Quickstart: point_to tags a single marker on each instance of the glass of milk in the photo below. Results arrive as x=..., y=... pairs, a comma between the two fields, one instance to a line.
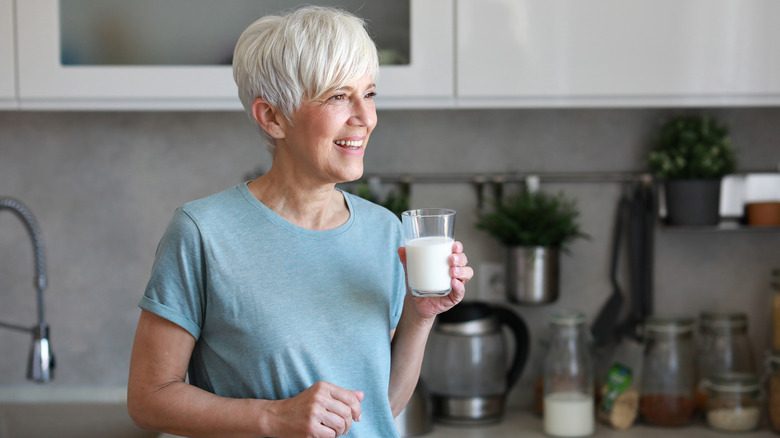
x=428, y=237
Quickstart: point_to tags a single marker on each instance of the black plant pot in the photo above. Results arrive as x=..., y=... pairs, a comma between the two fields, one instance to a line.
x=692, y=202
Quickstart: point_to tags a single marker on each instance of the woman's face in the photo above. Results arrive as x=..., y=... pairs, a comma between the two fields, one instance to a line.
x=328, y=136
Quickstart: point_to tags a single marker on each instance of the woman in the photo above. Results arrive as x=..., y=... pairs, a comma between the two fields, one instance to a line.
x=283, y=300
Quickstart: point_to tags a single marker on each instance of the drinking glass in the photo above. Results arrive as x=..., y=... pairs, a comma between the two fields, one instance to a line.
x=428, y=237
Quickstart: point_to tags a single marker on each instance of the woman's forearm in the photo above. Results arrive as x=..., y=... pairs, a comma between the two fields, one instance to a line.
x=408, y=348
x=159, y=399
x=182, y=409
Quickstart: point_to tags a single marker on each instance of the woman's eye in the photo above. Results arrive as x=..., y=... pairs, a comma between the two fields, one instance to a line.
x=338, y=97
x=370, y=95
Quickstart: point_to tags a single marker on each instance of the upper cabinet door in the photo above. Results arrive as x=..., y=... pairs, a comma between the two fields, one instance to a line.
x=428, y=78
x=614, y=52
x=7, y=58
x=55, y=74
x=176, y=54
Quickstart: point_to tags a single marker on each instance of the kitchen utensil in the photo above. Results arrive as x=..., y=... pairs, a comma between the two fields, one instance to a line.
x=641, y=245
x=417, y=416
x=641, y=233
x=606, y=321
x=466, y=362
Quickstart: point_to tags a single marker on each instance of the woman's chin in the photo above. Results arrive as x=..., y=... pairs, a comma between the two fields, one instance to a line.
x=353, y=174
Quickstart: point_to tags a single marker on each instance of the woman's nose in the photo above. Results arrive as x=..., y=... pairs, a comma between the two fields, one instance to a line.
x=363, y=113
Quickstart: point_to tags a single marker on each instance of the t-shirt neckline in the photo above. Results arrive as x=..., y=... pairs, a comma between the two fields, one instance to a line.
x=284, y=224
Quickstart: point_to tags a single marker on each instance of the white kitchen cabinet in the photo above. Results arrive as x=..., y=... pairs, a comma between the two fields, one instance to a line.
x=525, y=53
x=52, y=75
x=7, y=58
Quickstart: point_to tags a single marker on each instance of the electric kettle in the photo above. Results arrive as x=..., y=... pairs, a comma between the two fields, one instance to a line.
x=417, y=416
x=465, y=365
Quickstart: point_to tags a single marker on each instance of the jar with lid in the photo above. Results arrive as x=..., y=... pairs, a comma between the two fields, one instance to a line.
x=723, y=347
x=733, y=402
x=668, y=372
x=772, y=389
x=569, y=409
x=775, y=286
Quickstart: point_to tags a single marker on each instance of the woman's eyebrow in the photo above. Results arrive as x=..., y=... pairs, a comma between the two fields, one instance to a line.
x=351, y=88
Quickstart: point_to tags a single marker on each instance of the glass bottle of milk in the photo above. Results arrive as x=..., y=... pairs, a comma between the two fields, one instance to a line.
x=568, y=377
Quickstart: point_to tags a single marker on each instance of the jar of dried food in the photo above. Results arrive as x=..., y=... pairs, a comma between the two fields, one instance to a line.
x=733, y=402
x=723, y=347
x=775, y=286
x=668, y=372
x=773, y=390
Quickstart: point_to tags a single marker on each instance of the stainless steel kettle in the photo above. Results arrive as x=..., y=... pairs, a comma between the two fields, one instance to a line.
x=417, y=416
x=466, y=363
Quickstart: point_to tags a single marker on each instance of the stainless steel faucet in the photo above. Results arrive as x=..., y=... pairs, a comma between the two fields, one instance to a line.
x=40, y=366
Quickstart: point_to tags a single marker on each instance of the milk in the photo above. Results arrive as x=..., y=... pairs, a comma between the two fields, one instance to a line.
x=568, y=414
x=427, y=265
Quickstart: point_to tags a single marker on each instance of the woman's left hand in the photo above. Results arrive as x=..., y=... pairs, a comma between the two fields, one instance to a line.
x=461, y=273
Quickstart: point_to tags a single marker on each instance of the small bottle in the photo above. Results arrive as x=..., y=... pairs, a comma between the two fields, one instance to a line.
x=732, y=402
x=668, y=372
x=569, y=409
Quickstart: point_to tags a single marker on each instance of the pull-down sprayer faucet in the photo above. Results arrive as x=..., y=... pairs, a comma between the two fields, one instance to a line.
x=40, y=366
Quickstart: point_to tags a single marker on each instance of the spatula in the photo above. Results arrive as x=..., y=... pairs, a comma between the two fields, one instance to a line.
x=603, y=327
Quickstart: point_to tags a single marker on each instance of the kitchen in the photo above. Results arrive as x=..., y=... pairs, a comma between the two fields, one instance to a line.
x=103, y=182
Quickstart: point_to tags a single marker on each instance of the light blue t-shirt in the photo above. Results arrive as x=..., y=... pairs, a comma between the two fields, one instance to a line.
x=275, y=307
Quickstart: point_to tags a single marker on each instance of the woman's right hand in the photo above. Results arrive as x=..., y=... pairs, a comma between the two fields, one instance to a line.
x=322, y=410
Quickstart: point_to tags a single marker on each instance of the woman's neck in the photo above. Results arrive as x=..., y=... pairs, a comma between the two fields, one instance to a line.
x=312, y=207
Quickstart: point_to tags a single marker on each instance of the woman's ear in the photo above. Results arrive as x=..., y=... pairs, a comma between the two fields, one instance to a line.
x=268, y=117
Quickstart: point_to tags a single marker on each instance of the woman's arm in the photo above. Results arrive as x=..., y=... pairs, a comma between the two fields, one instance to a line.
x=158, y=398
x=411, y=334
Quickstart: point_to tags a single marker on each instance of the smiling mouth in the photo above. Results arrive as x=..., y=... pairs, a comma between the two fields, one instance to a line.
x=350, y=144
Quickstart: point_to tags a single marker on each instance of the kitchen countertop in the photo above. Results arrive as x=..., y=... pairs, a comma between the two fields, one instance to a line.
x=31, y=393
x=529, y=425
x=62, y=411
x=40, y=401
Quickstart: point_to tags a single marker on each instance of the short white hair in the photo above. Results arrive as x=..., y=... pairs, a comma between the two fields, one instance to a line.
x=287, y=59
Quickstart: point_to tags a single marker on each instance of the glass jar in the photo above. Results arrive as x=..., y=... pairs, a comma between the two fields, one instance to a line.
x=669, y=372
x=772, y=389
x=733, y=402
x=775, y=286
x=723, y=347
x=568, y=377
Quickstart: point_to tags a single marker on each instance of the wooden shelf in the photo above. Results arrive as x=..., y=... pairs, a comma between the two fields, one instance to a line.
x=725, y=226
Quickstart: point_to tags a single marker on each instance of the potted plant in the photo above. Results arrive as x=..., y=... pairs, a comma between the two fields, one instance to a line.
x=535, y=227
x=395, y=202
x=690, y=155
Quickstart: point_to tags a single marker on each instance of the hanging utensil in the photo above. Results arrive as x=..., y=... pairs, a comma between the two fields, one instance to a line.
x=640, y=244
x=498, y=188
x=603, y=327
x=479, y=185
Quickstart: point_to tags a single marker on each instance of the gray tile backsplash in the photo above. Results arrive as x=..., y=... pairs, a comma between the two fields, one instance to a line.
x=103, y=186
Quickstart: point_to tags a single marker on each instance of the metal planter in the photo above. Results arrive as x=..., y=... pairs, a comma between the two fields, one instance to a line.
x=532, y=274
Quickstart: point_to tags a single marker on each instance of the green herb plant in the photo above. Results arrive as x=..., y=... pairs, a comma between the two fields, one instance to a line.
x=692, y=147
x=533, y=219
x=397, y=203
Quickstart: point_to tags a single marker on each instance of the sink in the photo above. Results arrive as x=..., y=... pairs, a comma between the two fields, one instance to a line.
x=49, y=411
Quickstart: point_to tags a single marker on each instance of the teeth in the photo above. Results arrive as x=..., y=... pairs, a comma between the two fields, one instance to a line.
x=349, y=143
